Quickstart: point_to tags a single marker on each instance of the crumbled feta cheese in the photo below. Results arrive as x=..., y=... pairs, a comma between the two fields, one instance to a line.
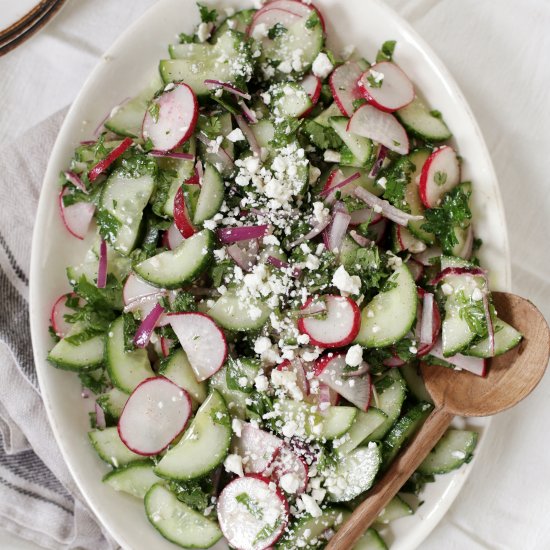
x=320, y=213
x=234, y=464
x=263, y=343
x=345, y=282
x=289, y=483
x=376, y=77
x=322, y=66
x=477, y=295
x=303, y=339
x=311, y=506
x=261, y=382
x=203, y=31
x=266, y=98
x=382, y=182
x=235, y=135
x=354, y=356
x=447, y=289
x=332, y=156
x=237, y=426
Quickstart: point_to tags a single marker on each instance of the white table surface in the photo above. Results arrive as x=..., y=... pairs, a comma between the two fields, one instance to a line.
x=498, y=53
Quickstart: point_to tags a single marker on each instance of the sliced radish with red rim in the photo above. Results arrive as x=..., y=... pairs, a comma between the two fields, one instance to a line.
x=166, y=345
x=339, y=325
x=172, y=237
x=378, y=230
x=440, y=174
x=249, y=506
x=334, y=234
x=57, y=315
x=202, y=340
x=182, y=219
x=290, y=471
x=271, y=16
x=416, y=269
x=343, y=83
x=257, y=448
x=386, y=86
x=312, y=85
x=331, y=369
x=297, y=367
x=176, y=115
x=76, y=217
x=136, y=289
x=474, y=365
x=155, y=414
x=429, y=257
x=102, y=165
x=337, y=181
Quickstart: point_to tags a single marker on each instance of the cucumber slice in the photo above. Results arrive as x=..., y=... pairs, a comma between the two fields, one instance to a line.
x=176, y=267
x=231, y=313
x=239, y=21
x=403, y=430
x=415, y=383
x=454, y=449
x=135, y=478
x=112, y=403
x=337, y=421
x=290, y=100
x=110, y=448
x=177, y=522
x=358, y=469
x=308, y=531
x=211, y=195
x=363, y=426
x=324, y=118
x=506, y=338
x=82, y=357
x=228, y=60
x=456, y=334
x=126, y=368
x=371, y=540
x=177, y=368
x=127, y=119
x=391, y=314
x=363, y=181
x=348, y=251
x=395, y=509
x=264, y=131
x=204, y=445
x=121, y=205
x=421, y=122
x=185, y=170
x=361, y=147
x=390, y=392
x=412, y=197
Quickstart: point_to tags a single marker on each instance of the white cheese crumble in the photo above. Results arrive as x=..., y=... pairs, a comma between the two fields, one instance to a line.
x=354, y=356
x=447, y=289
x=332, y=156
x=237, y=426
x=290, y=483
x=322, y=66
x=345, y=282
x=203, y=31
x=236, y=135
x=234, y=464
x=311, y=506
x=477, y=295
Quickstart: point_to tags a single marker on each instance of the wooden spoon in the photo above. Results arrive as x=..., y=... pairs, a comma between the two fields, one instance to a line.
x=510, y=378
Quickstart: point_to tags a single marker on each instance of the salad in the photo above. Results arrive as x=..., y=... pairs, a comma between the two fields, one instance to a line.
x=278, y=236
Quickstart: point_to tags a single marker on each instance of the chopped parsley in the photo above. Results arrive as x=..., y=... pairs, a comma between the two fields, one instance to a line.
x=250, y=504
x=385, y=53
x=277, y=30
x=207, y=16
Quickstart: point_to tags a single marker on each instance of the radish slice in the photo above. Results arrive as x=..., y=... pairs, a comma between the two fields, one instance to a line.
x=135, y=289
x=257, y=448
x=229, y=235
x=248, y=112
x=359, y=239
x=102, y=165
x=175, y=120
x=338, y=328
x=370, y=122
x=298, y=7
x=102, y=268
x=57, y=315
x=100, y=421
x=379, y=162
x=181, y=215
x=429, y=256
x=440, y=174
x=331, y=370
x=474, y=365
x=202, y=340
x=250, y=505
x=325, y=395
x=364, y=215
x=269, y=16
x=344, y=87
x=249, y=135
x=155, y=414
x=147, y=326
x=166, y=345
x=416, y=269
x=432, y=323
x=312, y=85
x=216, y=84
x=449, y=271
x=296, y=366
x=76, y=181
x=76, y=217
x=171, y=155
x=173, y=237
x=336, y=231
x=426, y=326
x=379, y=230
x=337, y=181
x=385, y=208
x=386, y=86
x=313, y=307
x=290, y=471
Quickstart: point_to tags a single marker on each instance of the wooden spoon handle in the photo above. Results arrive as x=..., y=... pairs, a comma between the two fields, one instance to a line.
x=394, y=478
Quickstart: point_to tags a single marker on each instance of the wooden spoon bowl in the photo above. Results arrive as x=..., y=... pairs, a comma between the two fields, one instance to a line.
x=511, y=377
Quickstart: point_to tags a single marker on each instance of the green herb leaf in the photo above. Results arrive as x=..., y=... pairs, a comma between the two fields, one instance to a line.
x=440, y=178
x=96, y=381
x=207, y=16
x=321, y=136
x=277, y=30
x=250, y=504
x=385, y=53
x=154, y=110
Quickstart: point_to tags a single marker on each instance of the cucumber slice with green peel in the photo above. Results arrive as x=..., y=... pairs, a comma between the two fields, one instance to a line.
x=364, y=424
x=203, y=446
x=348, y=251
x=454, y=449
x=361, y=147
x=127, y=119
x=403, y=430
x=415, y=383
x=338, y=421
x=323, y=118
x=127, y=369
x=239, y=21
x=176, y=367
x=290, y=100
x=177, y=522
x=358, y=470
x=371, y=540
x=506, y=338
x=395, y=509
x=112, y=403
x=308, y=531
x=121, y=204
x=363, y=181
x=389, y=396
x=211, y=195
x=135, y=478
x=264, y=131
x=391, y=314
x=110, y=448
x=228, y=60
x=422, y=122
x=85, y=356
x=174, y=268
x=231, y=313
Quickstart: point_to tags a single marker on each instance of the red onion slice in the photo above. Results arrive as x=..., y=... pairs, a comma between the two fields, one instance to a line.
x=249, y=135
x=385, y=208
x=76, y=181
x=382, y=153
x=314, y=308
x=102, y=269
x=344, y=182
x=426, y=325
x=200, y=172
x=336, y=232
x=230, y=235
x=490, y=327
x=276, y=262
x=239, y=256
x=100, y=421
x=248, y=112
x=213, y=84
x=145, y=329
x=359, y=239
x=85, y=393
x=171, y=155
x=449, y=271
